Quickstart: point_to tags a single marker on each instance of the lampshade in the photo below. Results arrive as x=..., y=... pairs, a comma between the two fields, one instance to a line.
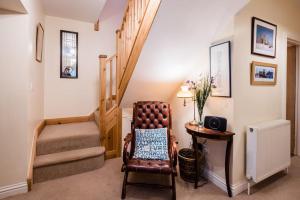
x=184, y=92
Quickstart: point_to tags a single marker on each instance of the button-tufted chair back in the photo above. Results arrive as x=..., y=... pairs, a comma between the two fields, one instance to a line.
x=150, y=115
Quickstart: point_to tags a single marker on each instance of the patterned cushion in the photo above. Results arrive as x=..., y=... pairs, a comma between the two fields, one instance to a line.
x=151, y=144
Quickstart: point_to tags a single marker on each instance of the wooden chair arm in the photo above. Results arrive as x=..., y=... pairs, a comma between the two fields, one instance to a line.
x=173, y=150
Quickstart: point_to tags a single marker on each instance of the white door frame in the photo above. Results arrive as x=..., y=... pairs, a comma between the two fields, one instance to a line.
x=297, y=106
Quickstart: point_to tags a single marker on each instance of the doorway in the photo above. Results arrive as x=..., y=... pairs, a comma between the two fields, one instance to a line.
x=292, y=88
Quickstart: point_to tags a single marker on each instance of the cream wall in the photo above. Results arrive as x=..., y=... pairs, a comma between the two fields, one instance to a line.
x=76, y=97
x=259, y=103
x=21, y=91
x=36, y=72
x=13, y=101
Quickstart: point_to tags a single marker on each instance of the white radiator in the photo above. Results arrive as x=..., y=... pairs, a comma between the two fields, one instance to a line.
x=268, y=149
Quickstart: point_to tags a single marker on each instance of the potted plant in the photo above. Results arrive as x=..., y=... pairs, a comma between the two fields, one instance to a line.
x=202, y=91
x=186, y=156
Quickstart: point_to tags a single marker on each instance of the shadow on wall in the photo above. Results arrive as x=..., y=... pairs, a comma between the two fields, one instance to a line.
x=146, y=88
x=112, y=8
x=177, y=46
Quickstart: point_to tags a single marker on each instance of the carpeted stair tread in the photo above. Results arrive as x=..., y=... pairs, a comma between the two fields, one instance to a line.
x=54, y=132
x=67, y=156
x=66, y=137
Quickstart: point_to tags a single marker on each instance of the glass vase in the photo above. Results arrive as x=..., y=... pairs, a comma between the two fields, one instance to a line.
x=201, y=122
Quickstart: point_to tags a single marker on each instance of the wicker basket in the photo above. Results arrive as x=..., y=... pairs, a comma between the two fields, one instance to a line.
x=186, y=159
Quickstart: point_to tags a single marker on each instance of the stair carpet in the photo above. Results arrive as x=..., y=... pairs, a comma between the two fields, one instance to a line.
x=67, y=149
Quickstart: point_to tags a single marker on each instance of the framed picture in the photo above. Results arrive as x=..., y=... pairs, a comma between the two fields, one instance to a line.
x=220, y=69
x=263, y=73
x=68, y=54
x=39, y=43
x=263, y=40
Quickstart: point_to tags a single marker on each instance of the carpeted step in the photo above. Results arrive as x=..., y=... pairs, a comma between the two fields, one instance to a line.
x=56, y=165
x=66, y=137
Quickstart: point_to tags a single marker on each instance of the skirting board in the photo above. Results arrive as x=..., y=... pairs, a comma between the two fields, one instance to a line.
x=221, y=183
x=14, y=189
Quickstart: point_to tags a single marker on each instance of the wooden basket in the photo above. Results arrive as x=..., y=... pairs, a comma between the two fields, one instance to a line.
x=186, y=159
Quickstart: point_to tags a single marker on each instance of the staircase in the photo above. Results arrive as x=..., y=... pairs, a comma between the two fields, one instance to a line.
x=68, y=146
x=116, y=71
x=67, y=149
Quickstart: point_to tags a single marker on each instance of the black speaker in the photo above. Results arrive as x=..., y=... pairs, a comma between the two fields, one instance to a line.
x=215, y=123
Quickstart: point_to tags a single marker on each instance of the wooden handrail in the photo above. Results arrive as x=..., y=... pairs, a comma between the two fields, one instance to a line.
x=111, y=58
x=131, y=37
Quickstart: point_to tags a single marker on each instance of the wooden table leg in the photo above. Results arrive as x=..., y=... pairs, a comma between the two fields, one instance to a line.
x=195, y=144
x=227, y=162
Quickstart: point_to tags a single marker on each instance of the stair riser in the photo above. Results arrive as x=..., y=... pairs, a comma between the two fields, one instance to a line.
x=50, y=172
x=61, y=145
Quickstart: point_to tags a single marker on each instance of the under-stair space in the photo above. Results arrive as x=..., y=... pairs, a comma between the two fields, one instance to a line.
x=67, y=149
x=116, y=70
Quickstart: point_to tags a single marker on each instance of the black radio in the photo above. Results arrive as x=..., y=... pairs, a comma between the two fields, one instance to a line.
x=215, y=123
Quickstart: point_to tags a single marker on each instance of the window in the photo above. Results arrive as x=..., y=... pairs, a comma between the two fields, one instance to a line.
x=68, y=54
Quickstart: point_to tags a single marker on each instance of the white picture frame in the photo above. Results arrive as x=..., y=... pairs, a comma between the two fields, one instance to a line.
x=220, y=69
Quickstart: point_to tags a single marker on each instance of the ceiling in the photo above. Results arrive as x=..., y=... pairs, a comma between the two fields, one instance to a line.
x=8, y=6
x=82, y=10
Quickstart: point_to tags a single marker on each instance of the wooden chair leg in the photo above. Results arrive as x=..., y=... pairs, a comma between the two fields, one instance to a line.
x=124, y=185
x=173, y=187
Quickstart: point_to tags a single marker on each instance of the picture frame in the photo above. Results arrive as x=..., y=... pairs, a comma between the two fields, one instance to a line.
x=263, y=73
x=220, y=69
x=263, y=38
x=39, y=43
x=68, y=54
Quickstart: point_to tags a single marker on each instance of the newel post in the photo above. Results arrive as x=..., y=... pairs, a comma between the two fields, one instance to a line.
x=102, y=102
x=118, y=64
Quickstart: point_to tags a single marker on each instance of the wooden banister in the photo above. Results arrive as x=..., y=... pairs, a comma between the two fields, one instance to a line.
x=102, y=95
x=130, y=38
x=109, y=111
x=134, y=30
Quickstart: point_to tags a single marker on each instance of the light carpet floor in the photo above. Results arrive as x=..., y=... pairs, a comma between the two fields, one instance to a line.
x=105, y=184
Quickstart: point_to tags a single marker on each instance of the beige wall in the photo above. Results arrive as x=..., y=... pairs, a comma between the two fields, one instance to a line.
x=259, y=103
x=21, y=88
x=76, y=97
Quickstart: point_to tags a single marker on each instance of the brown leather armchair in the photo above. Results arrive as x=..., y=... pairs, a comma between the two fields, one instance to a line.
x=150, y=115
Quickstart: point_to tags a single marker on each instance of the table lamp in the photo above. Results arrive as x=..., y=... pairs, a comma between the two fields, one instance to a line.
x=185, y=92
